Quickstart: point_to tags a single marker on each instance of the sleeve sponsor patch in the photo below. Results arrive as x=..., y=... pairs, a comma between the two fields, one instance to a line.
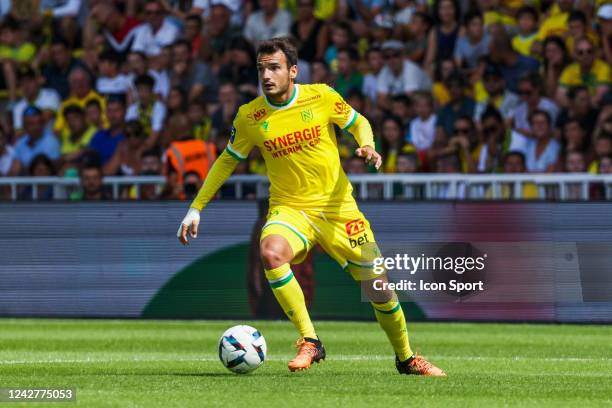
x=233, y=134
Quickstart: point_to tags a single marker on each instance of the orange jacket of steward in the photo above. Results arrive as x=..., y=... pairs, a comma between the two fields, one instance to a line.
x=191, y=155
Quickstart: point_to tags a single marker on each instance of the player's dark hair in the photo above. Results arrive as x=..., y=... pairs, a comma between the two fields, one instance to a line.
x=283, y=44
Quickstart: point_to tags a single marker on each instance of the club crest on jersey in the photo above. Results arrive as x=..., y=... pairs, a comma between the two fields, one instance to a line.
x=307, y=115
x=265, y=125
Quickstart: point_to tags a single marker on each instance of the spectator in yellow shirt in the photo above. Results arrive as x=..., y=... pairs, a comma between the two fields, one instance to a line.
x=79, y=133
x=588, y=70
x=494, y=13
x=81, y=94
x=527, y=18
x=14, y=51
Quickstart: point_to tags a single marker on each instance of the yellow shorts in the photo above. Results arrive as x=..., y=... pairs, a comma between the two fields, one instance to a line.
x=345, y=236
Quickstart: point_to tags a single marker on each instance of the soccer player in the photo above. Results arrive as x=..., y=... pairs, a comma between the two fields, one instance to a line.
x=311, y=197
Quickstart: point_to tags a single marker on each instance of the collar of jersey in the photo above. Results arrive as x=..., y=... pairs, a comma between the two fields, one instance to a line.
x=287, y=104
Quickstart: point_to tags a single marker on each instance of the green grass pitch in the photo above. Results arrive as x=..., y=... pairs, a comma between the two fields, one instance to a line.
x=126, y=363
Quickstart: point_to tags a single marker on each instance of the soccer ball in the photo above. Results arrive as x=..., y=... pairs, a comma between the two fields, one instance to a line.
x=242, y=349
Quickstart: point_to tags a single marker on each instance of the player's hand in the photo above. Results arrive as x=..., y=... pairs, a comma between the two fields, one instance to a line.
x=190, y=224
x=370, y=155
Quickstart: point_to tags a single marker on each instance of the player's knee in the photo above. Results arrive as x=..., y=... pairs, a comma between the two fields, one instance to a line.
x=274, y=253
x=376, y=292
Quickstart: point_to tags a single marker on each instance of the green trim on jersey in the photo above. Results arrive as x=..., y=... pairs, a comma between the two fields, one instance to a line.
x=290, y=227
x=284, y=104
x=352, y=121
x=234, y=153
x=359, y=264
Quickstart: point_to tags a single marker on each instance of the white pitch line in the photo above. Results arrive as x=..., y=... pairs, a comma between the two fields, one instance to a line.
x=285, y=358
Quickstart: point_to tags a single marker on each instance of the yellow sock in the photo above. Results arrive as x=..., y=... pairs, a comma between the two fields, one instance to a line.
x=390, y=316
x=289, y=294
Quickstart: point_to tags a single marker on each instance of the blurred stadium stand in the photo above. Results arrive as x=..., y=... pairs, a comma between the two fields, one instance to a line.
x=450, y=86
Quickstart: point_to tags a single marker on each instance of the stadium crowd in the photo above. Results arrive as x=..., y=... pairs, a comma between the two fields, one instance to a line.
x=135, y=87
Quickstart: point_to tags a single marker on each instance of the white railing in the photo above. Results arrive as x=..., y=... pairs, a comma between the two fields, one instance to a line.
x=62, y=186
x=560, y=186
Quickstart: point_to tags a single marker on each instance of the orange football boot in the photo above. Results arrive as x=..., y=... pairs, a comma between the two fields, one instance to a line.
x=417, y=365
x=310, y=350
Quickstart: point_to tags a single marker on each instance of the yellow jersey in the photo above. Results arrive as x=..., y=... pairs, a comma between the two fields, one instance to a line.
x=323, y=9
x=298, y=143
x=600, y=74
x=68, y=146
x=60, y=123
x=522, y=44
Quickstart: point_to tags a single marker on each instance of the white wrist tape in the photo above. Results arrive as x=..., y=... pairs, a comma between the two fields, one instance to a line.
x=193, y=215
